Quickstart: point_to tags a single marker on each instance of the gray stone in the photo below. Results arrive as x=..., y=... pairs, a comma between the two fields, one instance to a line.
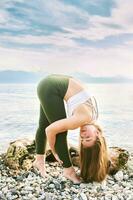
x=118, y=176
x=28, y=188
x=42, y=197
x=115, y=198
x=125, y=177
x=5, y=190
x=57, y=184
x=104, y=185
x=83, y=196
x=74, y=190
x=130, y=197
x=52, y=186
x=108, y=197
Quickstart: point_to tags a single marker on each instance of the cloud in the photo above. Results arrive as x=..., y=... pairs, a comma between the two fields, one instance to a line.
x=97, y=63
x=7, y=20
x=120, y=22
x=71, y=19
x=3, y=17
x=57, y=37
x=62, y=15
x=123, y=13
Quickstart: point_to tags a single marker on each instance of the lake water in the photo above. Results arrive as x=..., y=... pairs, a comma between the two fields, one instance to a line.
x=19, y=113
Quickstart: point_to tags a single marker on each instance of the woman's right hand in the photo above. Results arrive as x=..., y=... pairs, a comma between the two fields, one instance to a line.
x=51, y=137
x=57, y=157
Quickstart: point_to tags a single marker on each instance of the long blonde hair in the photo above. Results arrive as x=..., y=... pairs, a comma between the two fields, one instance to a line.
x=94, y=160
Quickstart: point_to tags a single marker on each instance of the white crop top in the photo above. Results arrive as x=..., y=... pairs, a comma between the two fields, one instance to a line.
x=76, y=100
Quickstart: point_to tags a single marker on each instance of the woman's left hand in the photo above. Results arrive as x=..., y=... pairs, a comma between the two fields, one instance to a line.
x=51, y=137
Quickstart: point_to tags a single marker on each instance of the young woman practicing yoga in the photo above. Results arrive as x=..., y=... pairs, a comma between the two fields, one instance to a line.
x=54, y=123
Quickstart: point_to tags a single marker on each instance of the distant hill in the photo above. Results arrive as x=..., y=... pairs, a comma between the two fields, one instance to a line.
x=114, y=79
x=9, y=76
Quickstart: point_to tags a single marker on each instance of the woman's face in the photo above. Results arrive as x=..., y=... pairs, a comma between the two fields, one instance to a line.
x=88, y=135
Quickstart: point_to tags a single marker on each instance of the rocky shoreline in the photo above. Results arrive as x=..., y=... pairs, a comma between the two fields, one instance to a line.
x=26, y=185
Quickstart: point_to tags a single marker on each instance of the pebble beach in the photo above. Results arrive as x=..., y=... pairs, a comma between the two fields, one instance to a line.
x=27, y=185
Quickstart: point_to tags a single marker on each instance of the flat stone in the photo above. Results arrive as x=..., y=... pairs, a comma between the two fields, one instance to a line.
x=52, y=186
x=118, y=176
x=115, y=198
x=83, y=196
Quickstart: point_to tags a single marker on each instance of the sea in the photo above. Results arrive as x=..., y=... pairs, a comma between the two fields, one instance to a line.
x=19, y=113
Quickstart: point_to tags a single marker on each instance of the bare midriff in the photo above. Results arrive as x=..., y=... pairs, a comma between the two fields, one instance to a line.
x=74, y=87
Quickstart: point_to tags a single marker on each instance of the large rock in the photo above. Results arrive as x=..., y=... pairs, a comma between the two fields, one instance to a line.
x=21, y=154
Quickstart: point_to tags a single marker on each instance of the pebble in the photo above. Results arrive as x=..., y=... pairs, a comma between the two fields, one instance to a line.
x=52, y=186
x=30, y=185
x=130, y=198
x=83, y=196
x=125, y=177
x=115, y=198
x=108, y=197
x=103, y=185
x=119, y=176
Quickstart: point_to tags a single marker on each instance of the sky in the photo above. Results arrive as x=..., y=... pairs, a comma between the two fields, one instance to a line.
x=63, y=36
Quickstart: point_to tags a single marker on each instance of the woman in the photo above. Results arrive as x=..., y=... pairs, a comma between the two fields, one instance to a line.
x=54, y=124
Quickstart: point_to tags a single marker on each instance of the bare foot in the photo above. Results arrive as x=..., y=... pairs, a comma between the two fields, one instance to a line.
x=70, y=174
x=41, y=167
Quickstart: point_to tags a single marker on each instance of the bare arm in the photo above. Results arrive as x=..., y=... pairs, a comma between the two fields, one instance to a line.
x=73, y=122
x=81, y=116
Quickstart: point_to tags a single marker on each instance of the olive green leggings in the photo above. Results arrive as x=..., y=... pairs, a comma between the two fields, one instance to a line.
x=51, y=92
